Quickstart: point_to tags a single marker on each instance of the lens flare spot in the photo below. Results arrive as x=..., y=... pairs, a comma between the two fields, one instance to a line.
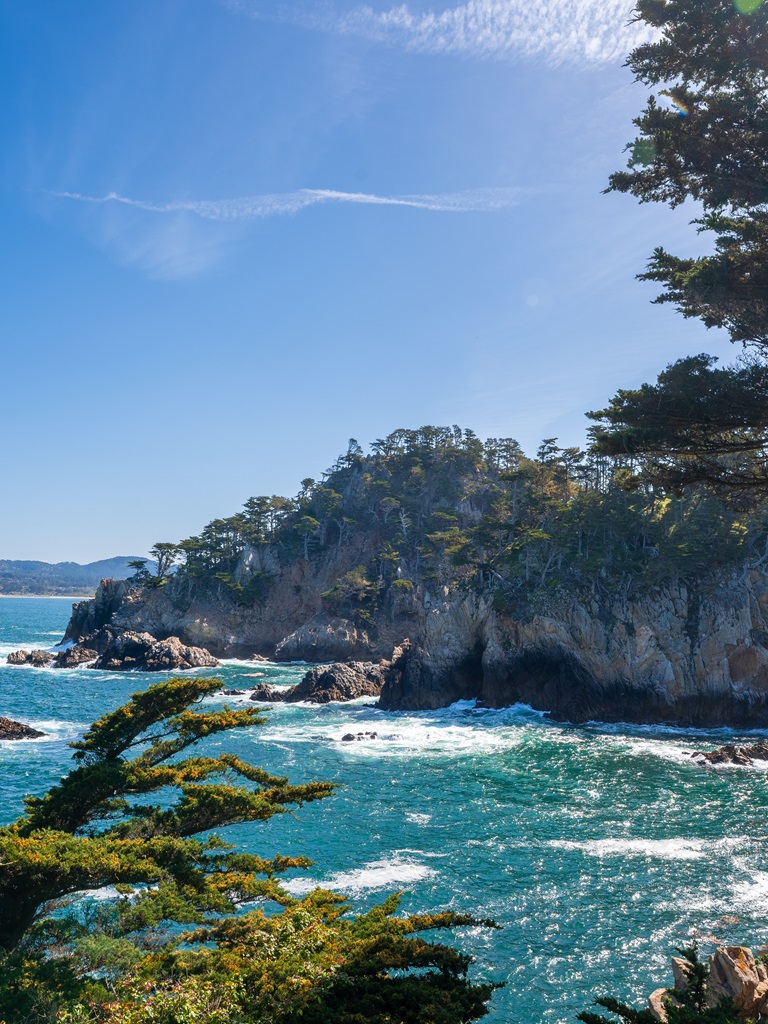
x=676, y=103
x=747, y=6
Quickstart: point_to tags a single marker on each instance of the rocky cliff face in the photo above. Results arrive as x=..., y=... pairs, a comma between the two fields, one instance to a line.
x=668, y=656
x=671, y=657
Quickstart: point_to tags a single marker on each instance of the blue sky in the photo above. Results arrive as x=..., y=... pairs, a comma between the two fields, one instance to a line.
x=236, y=234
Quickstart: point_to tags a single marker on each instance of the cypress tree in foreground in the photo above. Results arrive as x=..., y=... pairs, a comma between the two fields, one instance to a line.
x=176, y=941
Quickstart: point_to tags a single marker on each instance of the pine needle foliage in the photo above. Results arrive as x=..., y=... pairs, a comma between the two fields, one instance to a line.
x=178, y=940
x=703, y=137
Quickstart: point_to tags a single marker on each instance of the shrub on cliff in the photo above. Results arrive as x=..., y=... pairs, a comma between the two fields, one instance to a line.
x=174, y=939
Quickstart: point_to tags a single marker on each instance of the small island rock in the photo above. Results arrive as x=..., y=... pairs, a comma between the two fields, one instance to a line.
x=37, y=658
x=339, y=681
x=729, y=753
x=129, y=650
x=266, y=694
x=10, y=730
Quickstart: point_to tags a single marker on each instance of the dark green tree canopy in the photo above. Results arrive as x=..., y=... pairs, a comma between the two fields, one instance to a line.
x=698, y=422
x=704, y=137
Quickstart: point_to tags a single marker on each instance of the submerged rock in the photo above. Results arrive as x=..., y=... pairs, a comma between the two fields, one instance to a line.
x=352, y=736
x=729, y=753
x=129, y=650
x=37, y=658
x=10, y=730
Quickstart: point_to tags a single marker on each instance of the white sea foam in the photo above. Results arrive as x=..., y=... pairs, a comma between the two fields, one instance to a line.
x=247, y=663
x=752, y=893
x=393, y=873
x=405, y=737
x=418, y=819
x=659, y=849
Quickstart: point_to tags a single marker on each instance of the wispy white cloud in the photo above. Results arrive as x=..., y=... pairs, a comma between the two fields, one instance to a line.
x=251, y=207
x=556, y=31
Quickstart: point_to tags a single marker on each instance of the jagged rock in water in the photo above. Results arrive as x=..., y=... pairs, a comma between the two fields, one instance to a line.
x=233, y=693
x=74, y=656
x=258, y=657
x=38, y=659
x=141, y=651
x=10, y=730
x=338, y=682
x=322, y=639
x=352, y=736
x=267, y=694
x=729, y=753
x=328, y=683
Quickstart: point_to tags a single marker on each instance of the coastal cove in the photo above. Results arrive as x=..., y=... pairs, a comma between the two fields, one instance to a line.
x=597, y=848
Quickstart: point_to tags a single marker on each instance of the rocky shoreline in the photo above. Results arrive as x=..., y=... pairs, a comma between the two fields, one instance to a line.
x=672, y=656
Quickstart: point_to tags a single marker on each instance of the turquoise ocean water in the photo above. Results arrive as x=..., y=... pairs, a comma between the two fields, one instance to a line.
x=599, y=848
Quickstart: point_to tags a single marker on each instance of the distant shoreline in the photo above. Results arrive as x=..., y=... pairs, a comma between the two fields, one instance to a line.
x=52, y=597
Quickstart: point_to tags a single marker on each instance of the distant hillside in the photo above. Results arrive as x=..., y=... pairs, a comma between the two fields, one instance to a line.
x=22, y=577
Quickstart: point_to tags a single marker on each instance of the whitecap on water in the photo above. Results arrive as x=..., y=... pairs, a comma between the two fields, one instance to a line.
x=661, y=849
x=391, y=873
x=408, y=737
x=752, y=893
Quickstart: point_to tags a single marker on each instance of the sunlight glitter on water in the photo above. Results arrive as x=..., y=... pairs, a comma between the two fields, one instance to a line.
x=599, y=849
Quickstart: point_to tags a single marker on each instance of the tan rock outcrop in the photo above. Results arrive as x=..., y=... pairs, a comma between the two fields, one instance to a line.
x=735, y=974
x=657, y=1001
